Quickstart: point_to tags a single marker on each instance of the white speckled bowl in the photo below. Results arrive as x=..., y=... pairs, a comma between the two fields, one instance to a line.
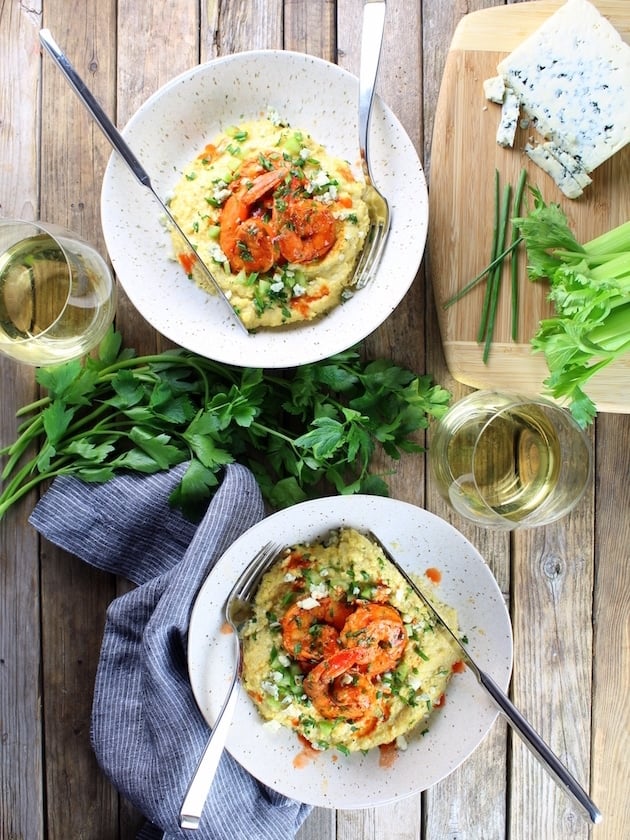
x=173, y=126
x=419, y=540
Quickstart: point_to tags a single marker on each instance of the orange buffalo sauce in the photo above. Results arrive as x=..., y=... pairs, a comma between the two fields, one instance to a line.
x=388, y=753
x=209, y=153
x=303, y=303
x=187, y=261
x=434, y=575
x=307, y=753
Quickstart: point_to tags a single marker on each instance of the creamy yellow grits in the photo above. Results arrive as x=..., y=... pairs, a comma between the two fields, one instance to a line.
x=403, y=669
x=312, y=224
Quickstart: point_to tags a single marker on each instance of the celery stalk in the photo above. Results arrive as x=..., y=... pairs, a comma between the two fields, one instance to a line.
x=590, y=292
x=617, y=268
x=617, y=239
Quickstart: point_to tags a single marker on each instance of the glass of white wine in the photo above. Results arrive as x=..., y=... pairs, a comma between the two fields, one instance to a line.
x=510, y=461
x=57, y=294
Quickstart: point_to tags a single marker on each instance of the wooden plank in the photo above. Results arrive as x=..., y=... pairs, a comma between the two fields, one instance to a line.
x=142, y=68
x=553, y=651
x=398, y=821
x=74, y=596
x=321, y=824
x=242, y=25
x=399, y=83
x=310, y=28
x=472, y=801
x=21, y=779
x=168, y=46
x=611, y=653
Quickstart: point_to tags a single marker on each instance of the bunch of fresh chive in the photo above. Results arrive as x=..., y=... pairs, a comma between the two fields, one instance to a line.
x=499, y=252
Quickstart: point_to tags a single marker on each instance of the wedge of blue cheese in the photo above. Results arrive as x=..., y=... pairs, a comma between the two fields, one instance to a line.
x=572, y=81
x=565, y=170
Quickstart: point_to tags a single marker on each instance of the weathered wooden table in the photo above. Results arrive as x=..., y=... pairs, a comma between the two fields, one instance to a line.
x=567, y=585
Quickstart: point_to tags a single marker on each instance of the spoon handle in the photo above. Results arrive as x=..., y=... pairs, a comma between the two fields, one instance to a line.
x=103, y=121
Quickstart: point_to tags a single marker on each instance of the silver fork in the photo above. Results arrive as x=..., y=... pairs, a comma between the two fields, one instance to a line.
x=371, y=43
x=238, y=609
x=531, y=738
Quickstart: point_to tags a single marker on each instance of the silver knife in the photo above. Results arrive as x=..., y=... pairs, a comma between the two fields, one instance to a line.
x=121, y=146
x=522, y=727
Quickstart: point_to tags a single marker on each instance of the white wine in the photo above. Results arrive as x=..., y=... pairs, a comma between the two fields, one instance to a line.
x=53, y=305
x=507, y=467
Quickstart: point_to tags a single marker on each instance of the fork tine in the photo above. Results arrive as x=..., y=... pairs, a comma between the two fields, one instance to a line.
x=267, y=554
x=371, y=256
x=250, y=576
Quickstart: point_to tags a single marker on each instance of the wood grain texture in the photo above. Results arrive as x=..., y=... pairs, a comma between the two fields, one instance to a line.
x=611, y=618
x=567, y=586
x=553, y=580
x=472, y=802
x=73, y=154
x=493, y=26
x=21, y=733
x=465, y=158
x=155, y=42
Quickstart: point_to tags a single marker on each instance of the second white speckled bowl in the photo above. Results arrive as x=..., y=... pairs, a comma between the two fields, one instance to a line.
x=419, y=540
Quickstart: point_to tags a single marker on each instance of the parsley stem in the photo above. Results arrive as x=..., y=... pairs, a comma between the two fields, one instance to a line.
x=33, y=406
x=119, y=412
x=19, y=486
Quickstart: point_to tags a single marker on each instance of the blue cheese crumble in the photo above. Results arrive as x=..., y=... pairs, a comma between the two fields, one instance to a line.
x=572, y=80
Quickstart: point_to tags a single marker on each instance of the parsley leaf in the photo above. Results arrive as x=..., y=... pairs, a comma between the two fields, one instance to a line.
x=302, y=432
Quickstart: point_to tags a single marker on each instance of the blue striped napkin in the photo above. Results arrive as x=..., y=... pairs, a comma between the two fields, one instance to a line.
x=147, y=731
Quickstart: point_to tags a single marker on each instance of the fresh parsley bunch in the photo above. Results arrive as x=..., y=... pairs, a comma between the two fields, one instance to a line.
x=318, y=423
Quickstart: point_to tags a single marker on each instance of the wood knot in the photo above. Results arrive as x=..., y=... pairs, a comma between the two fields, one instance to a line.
x=552, y=567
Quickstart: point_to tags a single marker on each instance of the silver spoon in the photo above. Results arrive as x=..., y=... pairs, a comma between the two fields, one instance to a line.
x=120, y=145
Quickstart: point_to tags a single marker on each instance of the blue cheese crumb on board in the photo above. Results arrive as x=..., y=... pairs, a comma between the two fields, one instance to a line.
x=494, y=89
x=572, y=80
x=510, y=114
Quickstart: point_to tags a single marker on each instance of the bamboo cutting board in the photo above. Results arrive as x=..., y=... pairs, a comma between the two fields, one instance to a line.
x=463, y=162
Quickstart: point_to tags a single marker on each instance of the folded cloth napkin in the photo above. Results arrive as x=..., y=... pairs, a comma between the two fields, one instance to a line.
x=147, y=731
